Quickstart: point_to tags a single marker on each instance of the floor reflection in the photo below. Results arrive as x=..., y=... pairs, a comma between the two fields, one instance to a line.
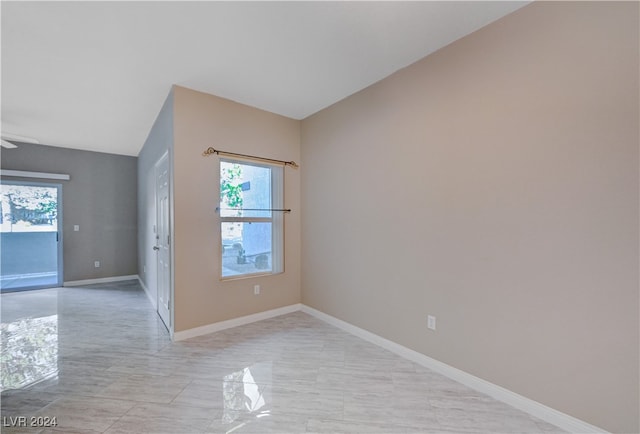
x=245, y=392
x=29, y=351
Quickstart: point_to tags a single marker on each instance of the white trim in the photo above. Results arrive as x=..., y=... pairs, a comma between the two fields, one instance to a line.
x=26, y=174
x=235, y=322
x=534, y=408
x=154, y=303
x=100, y=280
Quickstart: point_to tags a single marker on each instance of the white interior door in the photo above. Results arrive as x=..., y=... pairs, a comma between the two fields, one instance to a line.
x=163, y=241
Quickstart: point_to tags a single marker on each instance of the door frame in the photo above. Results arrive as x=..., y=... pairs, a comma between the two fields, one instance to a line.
x=60, y=233
x=165, y=156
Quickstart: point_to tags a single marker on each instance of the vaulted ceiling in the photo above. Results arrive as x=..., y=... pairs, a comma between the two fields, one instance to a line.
x=93, y=75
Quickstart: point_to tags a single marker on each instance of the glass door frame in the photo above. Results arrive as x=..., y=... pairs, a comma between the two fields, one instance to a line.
x=59, y=231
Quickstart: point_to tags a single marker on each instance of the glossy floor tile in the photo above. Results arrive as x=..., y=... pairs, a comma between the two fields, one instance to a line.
x=99, y=360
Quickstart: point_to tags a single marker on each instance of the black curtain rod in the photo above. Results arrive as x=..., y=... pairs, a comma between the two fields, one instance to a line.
x=218, y=209
x=210, y=151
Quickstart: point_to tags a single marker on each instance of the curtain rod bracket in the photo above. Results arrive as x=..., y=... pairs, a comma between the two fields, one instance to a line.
x=210, y=151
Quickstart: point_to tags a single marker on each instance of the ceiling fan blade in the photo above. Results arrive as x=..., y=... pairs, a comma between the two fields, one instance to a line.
x=8, y=145
x=17, y=138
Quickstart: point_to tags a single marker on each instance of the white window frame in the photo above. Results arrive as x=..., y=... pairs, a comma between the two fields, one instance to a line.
x=276, y=219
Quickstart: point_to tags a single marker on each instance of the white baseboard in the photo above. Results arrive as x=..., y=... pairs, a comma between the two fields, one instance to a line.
x=100, y=280
x=235, y=322
x=534, y=408
x=154, y=302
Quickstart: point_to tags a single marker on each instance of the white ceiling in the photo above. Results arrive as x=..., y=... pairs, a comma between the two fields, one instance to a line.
x=93, y=75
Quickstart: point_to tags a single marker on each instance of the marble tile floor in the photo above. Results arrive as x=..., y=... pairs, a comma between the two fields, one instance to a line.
x=98, y=360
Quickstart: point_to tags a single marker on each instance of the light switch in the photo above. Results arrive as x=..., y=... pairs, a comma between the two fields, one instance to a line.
x=431, y=322
x=76, y=228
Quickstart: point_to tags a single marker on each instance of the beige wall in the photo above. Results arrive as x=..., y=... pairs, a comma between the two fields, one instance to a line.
x=200, y=121
x=494, y=185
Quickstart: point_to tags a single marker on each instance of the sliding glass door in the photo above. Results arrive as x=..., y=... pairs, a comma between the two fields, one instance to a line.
x=30, y=235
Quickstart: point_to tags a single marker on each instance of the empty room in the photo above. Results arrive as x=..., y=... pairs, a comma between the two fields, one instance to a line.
x=317, y=216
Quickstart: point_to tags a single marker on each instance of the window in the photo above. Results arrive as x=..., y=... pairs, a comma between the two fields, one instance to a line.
x=252, y=234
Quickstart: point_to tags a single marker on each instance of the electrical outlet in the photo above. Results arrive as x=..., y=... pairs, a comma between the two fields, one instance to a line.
x=96, y=264
x=256, y=289
x=431, y=322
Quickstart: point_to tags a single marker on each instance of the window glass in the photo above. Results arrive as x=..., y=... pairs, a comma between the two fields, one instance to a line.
x=244, y=189
x=251, y=232
x=246, y=248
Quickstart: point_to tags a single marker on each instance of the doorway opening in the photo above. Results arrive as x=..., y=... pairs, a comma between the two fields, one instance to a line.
x=30, y=235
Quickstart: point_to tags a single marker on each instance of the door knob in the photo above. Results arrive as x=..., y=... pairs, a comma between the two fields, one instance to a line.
x=156, y=248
